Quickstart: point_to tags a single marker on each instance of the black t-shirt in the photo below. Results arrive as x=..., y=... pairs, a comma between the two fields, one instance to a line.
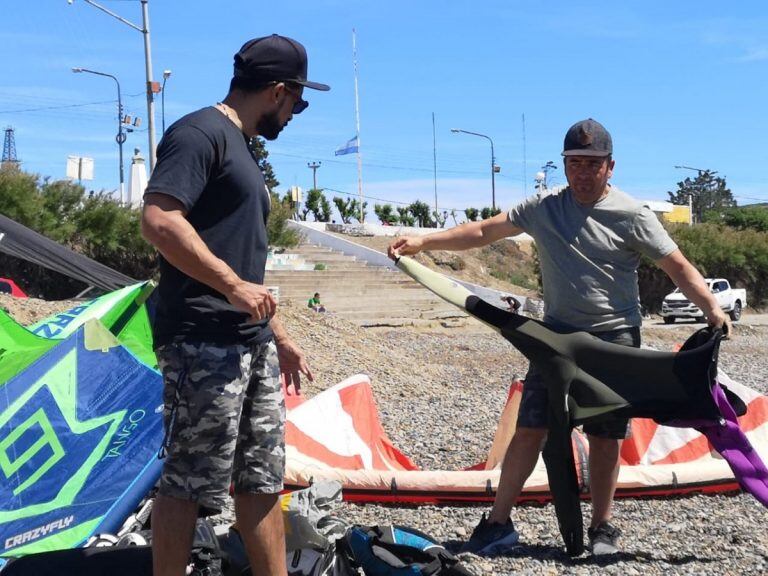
x=204, y=162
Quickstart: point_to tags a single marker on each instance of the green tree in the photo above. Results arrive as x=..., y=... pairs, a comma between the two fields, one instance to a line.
x=19, y=196
x=707, y=192
x=404, y=216
x=346, y=208
x=356, y=210
x=278, y=232
x=385, y=213
x=62, y=201
x=318, y=205
x=421, y=214
x=261, y=155
x=472, y=214
x=488, y=212
x=440, y=219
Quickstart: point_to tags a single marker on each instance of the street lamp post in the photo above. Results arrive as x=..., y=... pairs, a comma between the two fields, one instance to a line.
x=121, y=136
x=166, y=75
x=493, y=163
x=144, y=29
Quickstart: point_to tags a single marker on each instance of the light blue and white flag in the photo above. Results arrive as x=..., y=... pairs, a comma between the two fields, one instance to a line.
x=350, y=147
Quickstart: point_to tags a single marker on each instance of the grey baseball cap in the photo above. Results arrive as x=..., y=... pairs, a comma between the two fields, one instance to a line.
x=587, y=138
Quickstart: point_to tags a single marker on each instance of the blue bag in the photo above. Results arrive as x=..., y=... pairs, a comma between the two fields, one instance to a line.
x=399, y=551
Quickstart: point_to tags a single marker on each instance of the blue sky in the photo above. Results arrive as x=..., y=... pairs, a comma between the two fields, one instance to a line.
x=675, y=83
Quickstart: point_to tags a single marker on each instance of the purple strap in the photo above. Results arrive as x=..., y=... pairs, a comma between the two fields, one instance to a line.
x=734, y=447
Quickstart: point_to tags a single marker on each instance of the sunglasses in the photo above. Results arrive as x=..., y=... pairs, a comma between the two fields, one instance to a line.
x=300, y=104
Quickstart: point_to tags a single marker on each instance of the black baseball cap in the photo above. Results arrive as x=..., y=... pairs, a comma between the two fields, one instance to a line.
x=274, y=58
x=587, y=138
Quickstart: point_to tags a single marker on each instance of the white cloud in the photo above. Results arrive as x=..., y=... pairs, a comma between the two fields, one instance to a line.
x=754, y=55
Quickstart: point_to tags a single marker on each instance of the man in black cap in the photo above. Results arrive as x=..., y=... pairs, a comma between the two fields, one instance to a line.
x=590, y=237
x=222, y=350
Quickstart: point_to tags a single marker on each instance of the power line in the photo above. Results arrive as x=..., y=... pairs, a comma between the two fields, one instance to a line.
x=63, y=106
x=372, y=165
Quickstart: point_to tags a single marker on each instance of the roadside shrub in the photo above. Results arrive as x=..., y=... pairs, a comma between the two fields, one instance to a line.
x=278, y=233
x=449, y=259
x=95, y=225
x=740, y=256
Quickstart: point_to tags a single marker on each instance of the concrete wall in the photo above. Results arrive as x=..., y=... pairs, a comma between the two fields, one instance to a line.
x=369, y=229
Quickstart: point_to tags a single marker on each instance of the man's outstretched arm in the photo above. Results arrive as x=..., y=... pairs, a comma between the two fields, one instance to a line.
x=469, y=235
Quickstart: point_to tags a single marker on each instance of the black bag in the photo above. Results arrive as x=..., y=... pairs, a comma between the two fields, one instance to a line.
x=129, y=561
x=206, y=558
x=330, y=561
x=399, y=551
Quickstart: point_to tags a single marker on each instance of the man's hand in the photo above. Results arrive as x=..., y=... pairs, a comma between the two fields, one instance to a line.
x=718, y=319
x=404, y=246
x=253, y=299
x=293, y=363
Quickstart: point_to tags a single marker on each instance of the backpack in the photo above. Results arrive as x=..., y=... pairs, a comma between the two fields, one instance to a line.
x=399, y=551
x=300, y=562
x=309, y=562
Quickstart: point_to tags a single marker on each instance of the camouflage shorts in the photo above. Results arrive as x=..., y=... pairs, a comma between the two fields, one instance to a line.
x=224, y=419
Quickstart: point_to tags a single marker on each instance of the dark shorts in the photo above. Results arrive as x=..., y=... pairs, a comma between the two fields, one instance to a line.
x=533, y=405
x=225, y=421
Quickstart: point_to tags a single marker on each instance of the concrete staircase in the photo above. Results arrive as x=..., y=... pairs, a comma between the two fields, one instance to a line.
x=363, y=294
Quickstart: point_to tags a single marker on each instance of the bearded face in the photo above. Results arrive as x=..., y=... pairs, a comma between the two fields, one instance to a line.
x=270, y=125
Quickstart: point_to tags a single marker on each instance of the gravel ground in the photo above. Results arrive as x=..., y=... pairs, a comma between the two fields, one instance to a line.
x=460, y=379
x=457, y=380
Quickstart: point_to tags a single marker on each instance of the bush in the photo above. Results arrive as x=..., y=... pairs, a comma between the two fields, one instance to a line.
x=448, y=259
x=278, y=233
x=96, y=226
x=740, y=256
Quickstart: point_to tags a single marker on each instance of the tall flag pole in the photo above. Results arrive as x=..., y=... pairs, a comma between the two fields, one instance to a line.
x=357, y=127
x=434, y=160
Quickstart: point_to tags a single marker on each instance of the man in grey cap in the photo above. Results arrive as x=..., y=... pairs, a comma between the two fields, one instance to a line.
x=590, y=237
x=222, y=350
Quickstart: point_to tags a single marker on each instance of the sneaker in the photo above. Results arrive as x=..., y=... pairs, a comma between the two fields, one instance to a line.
x=491, y=539
x=603, y=539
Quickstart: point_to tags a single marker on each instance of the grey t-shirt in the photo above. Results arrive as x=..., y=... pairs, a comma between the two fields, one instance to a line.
x=589, y=256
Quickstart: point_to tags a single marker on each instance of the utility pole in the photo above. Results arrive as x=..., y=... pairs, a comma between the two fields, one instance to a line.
x=314, y=166
x=152, y=87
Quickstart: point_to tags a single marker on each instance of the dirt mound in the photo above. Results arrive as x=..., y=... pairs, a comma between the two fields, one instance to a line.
x=502, y=265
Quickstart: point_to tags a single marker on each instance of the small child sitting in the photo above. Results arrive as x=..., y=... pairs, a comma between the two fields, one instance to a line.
x=315, y=303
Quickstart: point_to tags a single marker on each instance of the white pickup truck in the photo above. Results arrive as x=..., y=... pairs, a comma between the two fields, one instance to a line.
x=731, y=300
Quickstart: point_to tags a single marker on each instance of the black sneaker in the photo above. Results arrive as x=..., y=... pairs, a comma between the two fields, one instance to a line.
x=491, y=538
x=603, y=539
